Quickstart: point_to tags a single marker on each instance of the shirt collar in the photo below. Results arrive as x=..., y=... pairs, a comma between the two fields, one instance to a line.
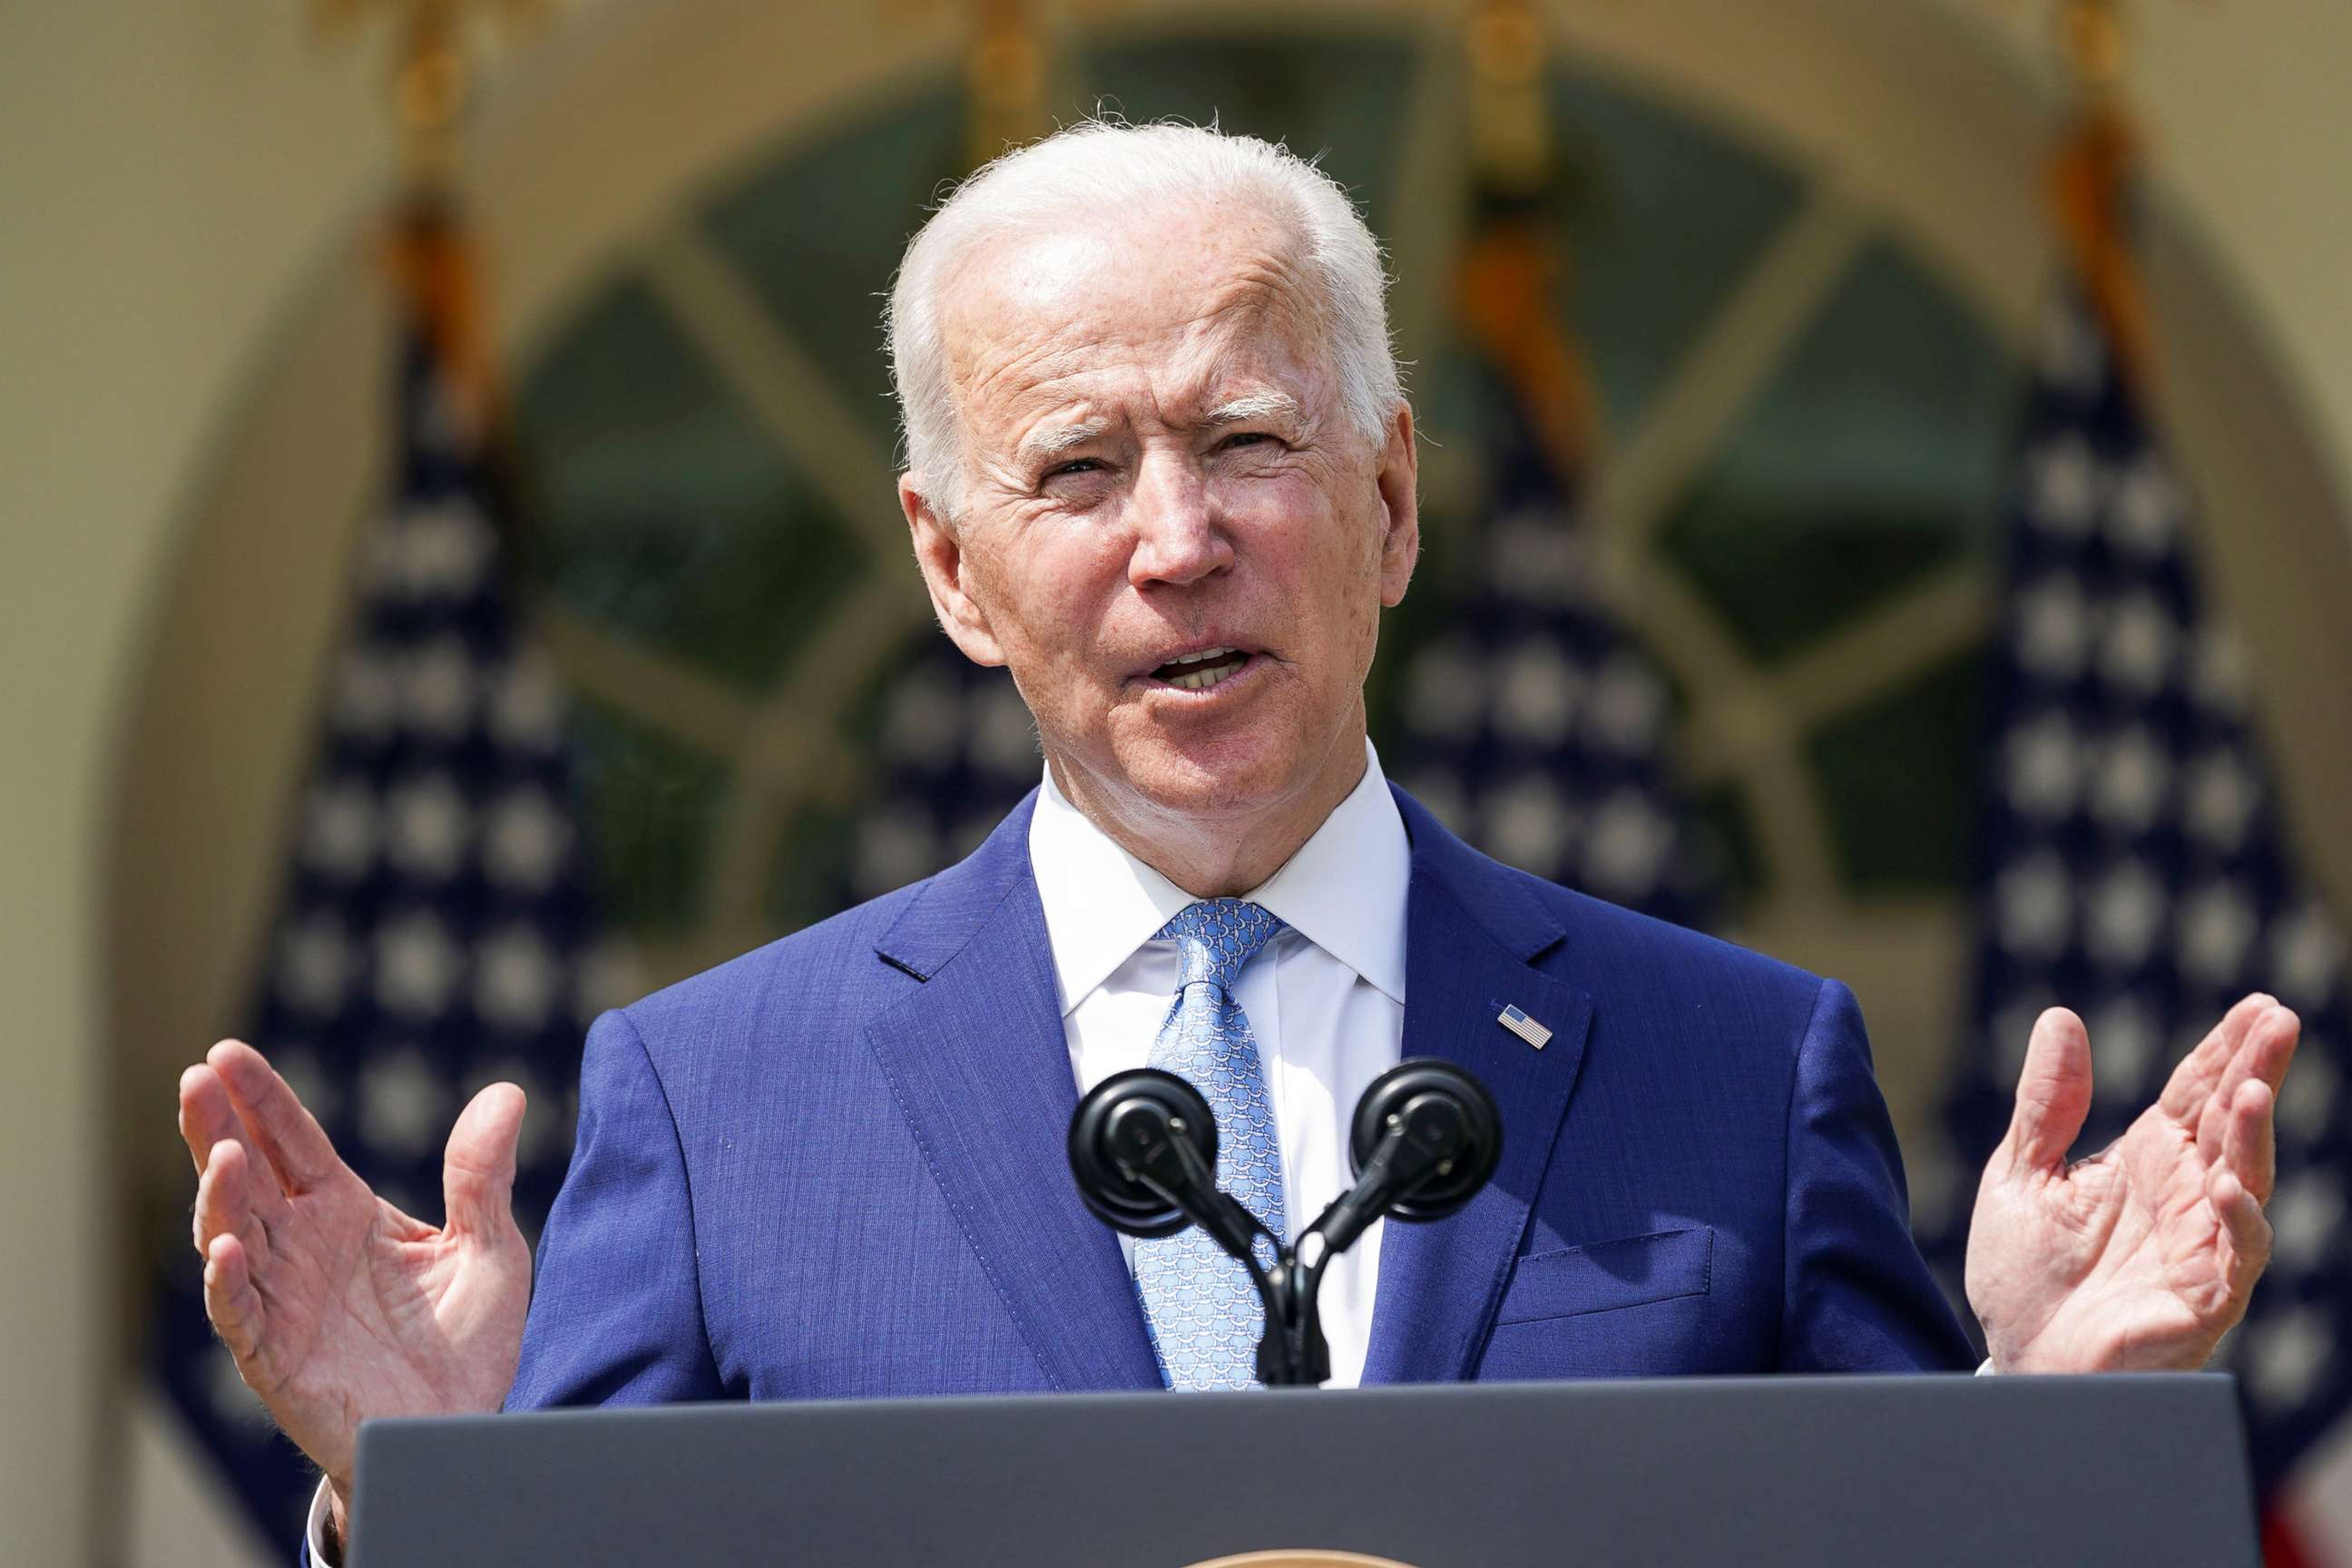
x=1344, y=891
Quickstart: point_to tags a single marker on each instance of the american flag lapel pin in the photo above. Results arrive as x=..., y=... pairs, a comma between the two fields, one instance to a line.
x=1527, y=1028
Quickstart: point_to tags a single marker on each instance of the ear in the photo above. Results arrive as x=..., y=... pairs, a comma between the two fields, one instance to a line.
x=940, y=552
x=1399, y=479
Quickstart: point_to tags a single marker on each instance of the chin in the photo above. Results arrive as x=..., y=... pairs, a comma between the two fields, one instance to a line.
x=1226, y=776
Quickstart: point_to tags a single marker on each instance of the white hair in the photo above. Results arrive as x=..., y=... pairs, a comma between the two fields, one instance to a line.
x=1104, y=165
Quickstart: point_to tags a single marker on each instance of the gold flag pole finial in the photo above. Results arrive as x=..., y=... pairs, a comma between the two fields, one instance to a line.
x=2092, y=179
x=1004, y=77
x=432, y=79
x=1514, y=264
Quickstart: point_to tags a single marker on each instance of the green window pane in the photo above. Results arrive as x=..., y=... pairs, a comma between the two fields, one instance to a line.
x=817, y=231
x=1339, y=94
x=1665, y=219
x=1899, y=782
x=1872, y=456
x=671, y=515
x=652, y=803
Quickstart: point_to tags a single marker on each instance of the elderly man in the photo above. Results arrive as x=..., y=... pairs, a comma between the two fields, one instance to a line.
x=1159, y=465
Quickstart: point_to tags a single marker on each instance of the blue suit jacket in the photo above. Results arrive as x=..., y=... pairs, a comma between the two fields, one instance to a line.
x=834, y=1166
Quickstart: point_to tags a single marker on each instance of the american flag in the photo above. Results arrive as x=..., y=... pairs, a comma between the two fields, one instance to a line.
x=2136, y=866
x=956, y=750
x=1532, y=724
x=433, y=932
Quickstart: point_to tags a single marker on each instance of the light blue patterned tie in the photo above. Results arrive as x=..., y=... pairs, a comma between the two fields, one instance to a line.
x=1205, y=1313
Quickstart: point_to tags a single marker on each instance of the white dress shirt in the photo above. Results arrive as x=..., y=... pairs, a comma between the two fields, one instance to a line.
x=1325, y=998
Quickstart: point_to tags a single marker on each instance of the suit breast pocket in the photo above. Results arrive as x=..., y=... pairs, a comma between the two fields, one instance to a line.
x=1606, y=1276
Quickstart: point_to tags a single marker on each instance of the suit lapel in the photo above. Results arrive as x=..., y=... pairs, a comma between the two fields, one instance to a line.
x=1471, y=929
x=980, y=1063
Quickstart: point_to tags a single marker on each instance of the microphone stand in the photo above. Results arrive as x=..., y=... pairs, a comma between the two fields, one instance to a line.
x=1422, y=1138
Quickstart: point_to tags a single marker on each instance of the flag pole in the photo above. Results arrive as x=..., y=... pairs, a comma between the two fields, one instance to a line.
x=2092, y=179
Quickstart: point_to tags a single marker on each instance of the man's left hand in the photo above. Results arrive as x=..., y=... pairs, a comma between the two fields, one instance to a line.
x=2142, y=1257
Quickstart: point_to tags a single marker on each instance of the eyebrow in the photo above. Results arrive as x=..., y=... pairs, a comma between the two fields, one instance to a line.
x=1254, y=405
x=1054, y=439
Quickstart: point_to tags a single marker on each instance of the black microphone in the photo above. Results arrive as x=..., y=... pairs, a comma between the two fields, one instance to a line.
x=1426, y=1137
x=1143, y=1148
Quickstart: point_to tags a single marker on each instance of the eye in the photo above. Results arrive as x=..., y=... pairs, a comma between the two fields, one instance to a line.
x=1245, y=438
x=1075, y=466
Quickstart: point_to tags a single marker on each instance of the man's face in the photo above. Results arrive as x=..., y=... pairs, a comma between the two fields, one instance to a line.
x=1158, y=467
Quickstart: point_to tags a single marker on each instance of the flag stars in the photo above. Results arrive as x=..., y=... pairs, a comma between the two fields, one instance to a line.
x=404, y=1108
x=339, y=829
x=2141, y=641
x=1628, y=704
x=417, y=966
x=2033, y=904
x=1534, y=700
x=315, y=964
x=2053, y=626
x=1003, y=740
x=2217, y=926
x=2148, y=509
x=1538, y=557
x=516, y=979
x=2221, y=796
x=2308, y=954
x=526, y=705
x=428, y=819
x=439, y=689
x=2306, y=1102
x=524, y=841
x=2063, y=485
x=2123, y=1049
x=1529, y=824
x=1627, y=850
x=921, y=719
x=2216, y=675
x=365, y=694
x=2042, y=766
x=2286, y=1354
x=2071, y=354
x=441, y=550
x=1445, y=690
x=2133, y=776
x=2306, y=1216
x=2127, y=912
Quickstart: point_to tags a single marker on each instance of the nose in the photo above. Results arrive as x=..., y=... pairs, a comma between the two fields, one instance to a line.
x=1179, y=537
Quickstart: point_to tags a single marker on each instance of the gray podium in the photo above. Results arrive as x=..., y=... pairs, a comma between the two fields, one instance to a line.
x=1821, y=1472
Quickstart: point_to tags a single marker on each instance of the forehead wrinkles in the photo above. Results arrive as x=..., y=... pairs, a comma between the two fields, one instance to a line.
x=1154, y=304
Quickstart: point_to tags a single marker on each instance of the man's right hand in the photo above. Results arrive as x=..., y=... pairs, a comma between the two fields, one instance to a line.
x=337, y=1306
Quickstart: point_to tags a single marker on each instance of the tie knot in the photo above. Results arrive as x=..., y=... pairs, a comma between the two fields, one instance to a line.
x=1215, y=937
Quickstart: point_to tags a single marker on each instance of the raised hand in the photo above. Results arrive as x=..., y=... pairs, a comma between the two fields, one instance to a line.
x=337, y=1306
x=2143, y=1256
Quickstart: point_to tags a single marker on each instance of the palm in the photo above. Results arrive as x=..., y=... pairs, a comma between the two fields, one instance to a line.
x=337, y=1306
x=2142, y=1256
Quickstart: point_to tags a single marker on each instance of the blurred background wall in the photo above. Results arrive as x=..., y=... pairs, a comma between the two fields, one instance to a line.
x=688, y=208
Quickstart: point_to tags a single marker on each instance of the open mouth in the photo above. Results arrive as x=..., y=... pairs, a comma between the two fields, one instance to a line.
x=1200, y=671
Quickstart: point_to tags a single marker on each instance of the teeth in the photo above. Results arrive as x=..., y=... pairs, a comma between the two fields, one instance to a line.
x=1202, y=680
x=1202, y=658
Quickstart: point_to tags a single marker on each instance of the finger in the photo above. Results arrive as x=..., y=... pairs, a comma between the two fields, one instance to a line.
x=205, y=1114
x=2261, y=1056
x=2250, y=1149
x=285, y=1135
x=2193, y=1081
x=225, y=1203
x=2053, y=1091
x=478, y=1170
x=232, y=1303
x=2249, y=1233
